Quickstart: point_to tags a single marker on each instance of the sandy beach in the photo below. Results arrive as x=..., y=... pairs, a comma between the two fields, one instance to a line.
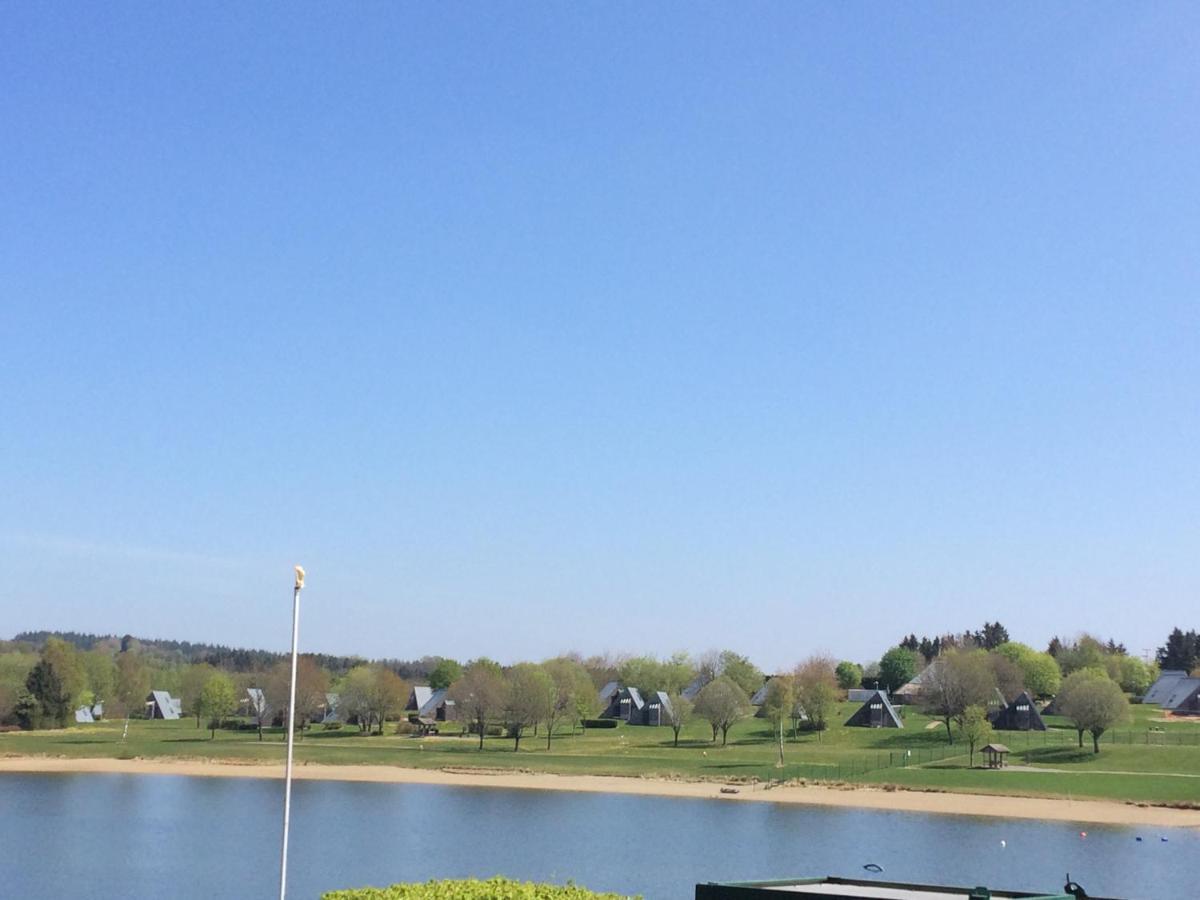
x=1101, y=812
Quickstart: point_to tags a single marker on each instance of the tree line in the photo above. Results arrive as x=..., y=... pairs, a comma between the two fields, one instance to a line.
x=45, y=676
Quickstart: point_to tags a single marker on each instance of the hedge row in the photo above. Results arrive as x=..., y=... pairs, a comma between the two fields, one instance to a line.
x=600, y=723
x=473, y=889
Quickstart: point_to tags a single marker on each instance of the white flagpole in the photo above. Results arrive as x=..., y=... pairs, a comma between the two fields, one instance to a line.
x=291, y=733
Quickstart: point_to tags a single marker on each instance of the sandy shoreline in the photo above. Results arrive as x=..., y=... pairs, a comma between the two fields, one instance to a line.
x=1105, y=812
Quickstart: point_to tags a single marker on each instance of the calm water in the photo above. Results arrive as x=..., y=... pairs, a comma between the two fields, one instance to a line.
x=118, y=836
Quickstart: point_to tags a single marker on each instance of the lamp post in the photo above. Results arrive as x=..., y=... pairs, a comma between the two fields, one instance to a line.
x=291, y=732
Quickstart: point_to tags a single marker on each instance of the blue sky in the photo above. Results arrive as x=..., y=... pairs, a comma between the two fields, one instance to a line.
x=608, y=327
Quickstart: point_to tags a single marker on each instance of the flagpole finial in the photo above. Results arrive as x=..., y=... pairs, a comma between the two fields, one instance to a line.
x=299, y=577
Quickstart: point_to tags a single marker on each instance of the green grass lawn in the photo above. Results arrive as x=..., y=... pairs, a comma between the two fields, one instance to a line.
x=1135, y=768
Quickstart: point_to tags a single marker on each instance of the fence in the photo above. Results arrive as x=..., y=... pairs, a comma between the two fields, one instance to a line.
x=861, y=764
x=1021, y=743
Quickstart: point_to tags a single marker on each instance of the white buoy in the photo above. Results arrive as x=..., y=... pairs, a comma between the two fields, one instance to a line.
x=1003, y=843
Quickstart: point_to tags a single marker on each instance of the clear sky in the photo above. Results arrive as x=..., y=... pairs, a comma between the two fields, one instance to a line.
x=779, y=327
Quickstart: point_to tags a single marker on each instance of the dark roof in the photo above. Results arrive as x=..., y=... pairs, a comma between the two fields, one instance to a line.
x=436, y=699
x=918, y=681
x=694, y=687
x=997, y=748
x=1020, y=715
x=862, y=694
x=760, y=696
x=168, y=706
x=1181, y=692
x=609, y=691
x=862, y=716
x=636, y=696
x=1163, y=686
x=662, y=698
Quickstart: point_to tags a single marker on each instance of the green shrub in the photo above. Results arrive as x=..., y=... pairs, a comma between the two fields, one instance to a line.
x=472, y=889
x=600, y=723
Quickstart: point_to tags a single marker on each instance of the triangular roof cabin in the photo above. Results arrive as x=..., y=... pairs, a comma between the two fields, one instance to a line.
x=1020, y=715
x=330, y=715
x=426, y=703
x=256, y=702
x=161, y=705
x=910, y=692
x=626, y=705
x=760, y=696
x=418, y=697
x=83, y=715
x=694, y=687
x=1184, y=698
x=658, y=710
x=607, y=700
x=1163, y=686
x=876, y=712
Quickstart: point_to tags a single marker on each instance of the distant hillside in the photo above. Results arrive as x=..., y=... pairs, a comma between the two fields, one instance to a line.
x=235, y=659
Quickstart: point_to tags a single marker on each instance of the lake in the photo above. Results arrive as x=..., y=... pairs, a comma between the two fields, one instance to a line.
x=142, y=836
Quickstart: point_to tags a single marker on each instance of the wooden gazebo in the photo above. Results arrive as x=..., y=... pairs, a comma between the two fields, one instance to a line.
x=996, y=754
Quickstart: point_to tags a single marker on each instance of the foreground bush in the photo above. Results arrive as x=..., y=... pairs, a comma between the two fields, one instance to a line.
x=472, y=889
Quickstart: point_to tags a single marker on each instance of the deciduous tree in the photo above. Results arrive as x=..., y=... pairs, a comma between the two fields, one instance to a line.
x=217, y=700
x=745, y=674
x=816, y=689
x=68, y=666
x=722, y=702
x=962, y=679
x=528, y=689
x=976, y=729
x=193, y=681
x=444, y=674
x=779, y=705
x=1039, y=671
x=897, y=668
x=133, y=683
x=1093, y=702
x=679, y=714
x=312, y=684
x=849, y=675
x=479, y=696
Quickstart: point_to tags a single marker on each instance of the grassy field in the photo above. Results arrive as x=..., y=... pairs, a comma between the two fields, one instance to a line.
x=1148, y=761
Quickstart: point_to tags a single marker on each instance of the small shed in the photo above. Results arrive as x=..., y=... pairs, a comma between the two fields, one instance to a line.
x=161, y=705
x=1020, y=715
x=83, y=715
x=996, y=755
x=876, y=712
